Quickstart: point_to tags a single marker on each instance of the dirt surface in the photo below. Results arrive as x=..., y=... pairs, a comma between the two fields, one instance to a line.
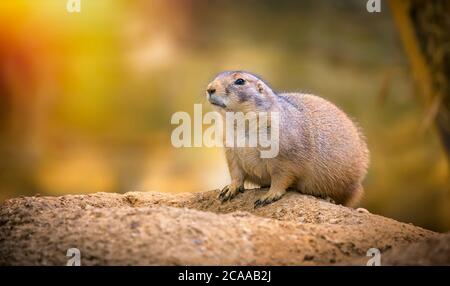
x=196, y=229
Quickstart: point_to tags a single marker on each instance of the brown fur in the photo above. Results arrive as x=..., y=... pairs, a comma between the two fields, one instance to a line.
x=322, y=152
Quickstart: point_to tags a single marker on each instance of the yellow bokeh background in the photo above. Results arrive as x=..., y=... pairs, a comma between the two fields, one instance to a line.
x=86, y=98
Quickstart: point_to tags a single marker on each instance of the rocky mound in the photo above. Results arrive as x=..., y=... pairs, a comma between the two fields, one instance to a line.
x=196, y=229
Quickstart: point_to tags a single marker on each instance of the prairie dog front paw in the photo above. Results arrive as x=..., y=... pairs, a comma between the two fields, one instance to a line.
x=229, y=192
x=271, y=196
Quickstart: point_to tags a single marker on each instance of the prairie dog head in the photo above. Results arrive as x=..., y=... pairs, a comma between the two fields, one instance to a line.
x=239, y=91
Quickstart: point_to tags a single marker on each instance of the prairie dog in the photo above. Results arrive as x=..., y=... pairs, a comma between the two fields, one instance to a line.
x=321, y=150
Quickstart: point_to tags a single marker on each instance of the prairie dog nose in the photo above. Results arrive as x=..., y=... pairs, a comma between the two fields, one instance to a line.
x=211, y=90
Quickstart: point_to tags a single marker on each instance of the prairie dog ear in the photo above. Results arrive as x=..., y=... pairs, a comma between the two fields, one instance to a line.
x=260, y=86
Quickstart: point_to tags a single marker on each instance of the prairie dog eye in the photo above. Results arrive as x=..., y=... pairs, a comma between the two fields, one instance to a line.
x=239, y=81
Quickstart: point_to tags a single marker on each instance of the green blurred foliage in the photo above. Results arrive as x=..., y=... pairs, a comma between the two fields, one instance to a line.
x=86, y=98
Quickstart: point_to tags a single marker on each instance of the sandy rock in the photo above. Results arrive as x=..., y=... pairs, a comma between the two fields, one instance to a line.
x=196, y=229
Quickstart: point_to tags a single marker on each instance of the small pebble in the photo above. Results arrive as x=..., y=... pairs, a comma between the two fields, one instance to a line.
x=197, y=241
x=362, y=210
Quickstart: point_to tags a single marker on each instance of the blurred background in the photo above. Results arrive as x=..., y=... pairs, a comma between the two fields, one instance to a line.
x=86, y=98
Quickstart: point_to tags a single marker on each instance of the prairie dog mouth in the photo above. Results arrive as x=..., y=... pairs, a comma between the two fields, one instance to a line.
x=219, y=104
x=214, y=100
